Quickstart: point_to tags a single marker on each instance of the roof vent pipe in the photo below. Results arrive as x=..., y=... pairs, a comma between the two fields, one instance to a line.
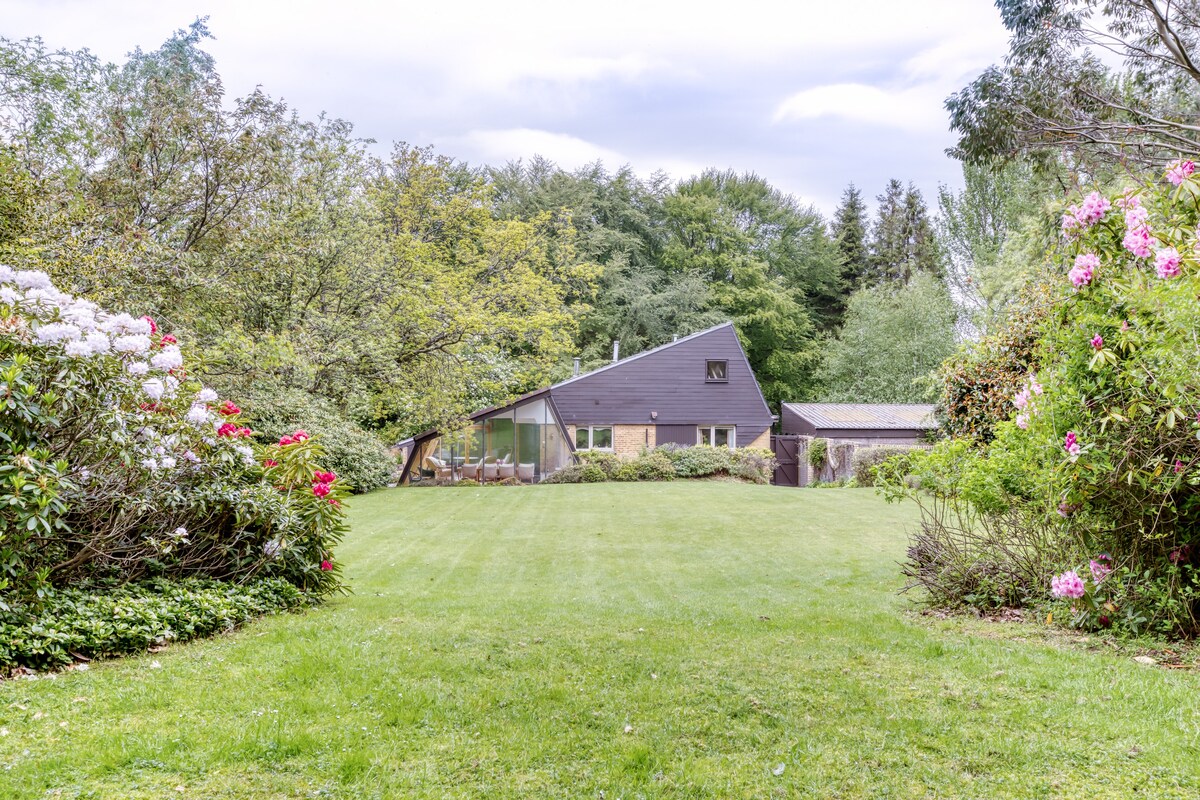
x=575, y=372
x=616, y=350
x=675, y=337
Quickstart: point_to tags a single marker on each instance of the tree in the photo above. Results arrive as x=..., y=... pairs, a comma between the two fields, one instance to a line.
x=903, y=241
x=850, y=233
x=1054, y=96
x=769, y=266
x=894, y=338
x=994, y=232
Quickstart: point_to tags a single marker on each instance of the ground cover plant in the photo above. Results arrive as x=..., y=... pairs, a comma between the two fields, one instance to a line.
x=1084, y=490
x=119, y=467
x=655, y=640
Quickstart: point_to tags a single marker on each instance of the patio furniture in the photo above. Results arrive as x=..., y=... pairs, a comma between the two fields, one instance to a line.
x=470, y=470
x=505, y=470
x=525, y=472
x=440, y=469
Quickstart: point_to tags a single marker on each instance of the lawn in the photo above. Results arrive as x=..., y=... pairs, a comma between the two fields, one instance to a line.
x=618, y=641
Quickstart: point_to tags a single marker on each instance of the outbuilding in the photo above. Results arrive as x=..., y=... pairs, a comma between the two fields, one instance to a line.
x=861, y=423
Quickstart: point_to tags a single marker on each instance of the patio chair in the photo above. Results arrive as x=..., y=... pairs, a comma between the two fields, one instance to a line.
x=491, y=471
x=440, y=469
x=470, y=470
x=505, y=470
x=525, y=472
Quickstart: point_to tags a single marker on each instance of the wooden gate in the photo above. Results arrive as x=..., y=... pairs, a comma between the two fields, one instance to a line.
x=790, y=453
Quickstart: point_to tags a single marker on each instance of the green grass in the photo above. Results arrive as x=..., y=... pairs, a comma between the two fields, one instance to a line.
x=640, y=640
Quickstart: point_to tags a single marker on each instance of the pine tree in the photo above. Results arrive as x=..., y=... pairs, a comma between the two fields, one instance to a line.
x=903, y=242
x=850, y=235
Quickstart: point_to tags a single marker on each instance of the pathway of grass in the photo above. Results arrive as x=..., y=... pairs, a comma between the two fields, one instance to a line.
x=635, y=641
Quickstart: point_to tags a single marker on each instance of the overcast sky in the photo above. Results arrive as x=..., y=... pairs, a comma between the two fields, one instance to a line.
x=811, y=95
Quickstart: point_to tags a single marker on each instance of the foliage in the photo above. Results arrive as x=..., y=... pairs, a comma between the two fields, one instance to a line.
x=818, y=451
x=994, y=232
x=1103, y=454
x=1054, y=97
x=849, y=230
x=903, y=243
x=979, y=382
x=119, y=465
x=893, y=340
x=358, y=456
x=97, y=622
x=866, y=460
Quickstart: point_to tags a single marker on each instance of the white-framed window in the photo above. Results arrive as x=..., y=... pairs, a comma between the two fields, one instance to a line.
x=716, y=371
x=717, y=435
x=594, y=437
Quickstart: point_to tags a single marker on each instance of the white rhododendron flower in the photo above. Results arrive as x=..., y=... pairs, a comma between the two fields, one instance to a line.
x=131, y=344
x=150, y=464
x=137, y=368
x=198, y=415
x=168, y=462
x=57, y=332
x=154, y=389
x=31, y=279
x=98, y=342
x=167, y=359
x=79, y=349
x=206, y=395
x=9, y=295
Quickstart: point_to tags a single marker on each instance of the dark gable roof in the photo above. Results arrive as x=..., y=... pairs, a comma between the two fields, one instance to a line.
x=666, y=385
x=865, y=416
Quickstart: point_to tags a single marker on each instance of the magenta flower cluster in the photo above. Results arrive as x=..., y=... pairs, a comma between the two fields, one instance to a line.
x=1071, y=443
x=1085, y=215
x=1069, y=584
x=1180, y=171
x=1084, y=270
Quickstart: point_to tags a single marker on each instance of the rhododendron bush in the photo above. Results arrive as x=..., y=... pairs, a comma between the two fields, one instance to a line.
x=119, y=465
x=1098, y=463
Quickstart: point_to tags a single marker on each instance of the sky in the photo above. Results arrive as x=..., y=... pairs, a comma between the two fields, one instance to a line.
x=809, y=94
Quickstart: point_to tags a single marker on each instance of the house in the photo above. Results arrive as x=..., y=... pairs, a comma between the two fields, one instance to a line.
x=860, y=423
x=698, y=389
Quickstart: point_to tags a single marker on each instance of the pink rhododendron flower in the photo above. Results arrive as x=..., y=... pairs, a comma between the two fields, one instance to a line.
x=270, y=462
x=1180, y=171
x=300, y=435
x=1098, y=342
x=228, y=409
x=1101, y=566
x=1139, y=241
x=1085, y=268
x=320, y=489
x=1069, y=584
x=166, y=340
x=153, y=324
x=326, y=566
x=324, y=477
x=1166, y=262
x=1071, y=443
x=284, y=441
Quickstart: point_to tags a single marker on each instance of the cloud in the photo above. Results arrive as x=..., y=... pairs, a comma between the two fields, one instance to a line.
x=500, y=146
x=915, y=109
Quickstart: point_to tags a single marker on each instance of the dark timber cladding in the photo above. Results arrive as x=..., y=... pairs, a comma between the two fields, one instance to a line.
x=670, y=386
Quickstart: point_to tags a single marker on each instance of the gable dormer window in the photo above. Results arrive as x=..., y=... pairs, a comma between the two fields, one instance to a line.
x=716, y=371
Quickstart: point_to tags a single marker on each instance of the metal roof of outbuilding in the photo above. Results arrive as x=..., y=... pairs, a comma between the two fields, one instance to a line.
x=866, y=416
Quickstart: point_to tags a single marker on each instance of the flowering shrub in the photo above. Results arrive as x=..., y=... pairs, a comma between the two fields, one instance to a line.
x=120, y=466
x=1105, y=451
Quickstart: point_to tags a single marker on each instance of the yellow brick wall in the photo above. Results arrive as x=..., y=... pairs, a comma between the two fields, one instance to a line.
x=763, y=441
x=629, y=440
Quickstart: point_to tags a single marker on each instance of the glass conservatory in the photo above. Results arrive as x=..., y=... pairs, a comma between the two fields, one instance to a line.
x=524, y=441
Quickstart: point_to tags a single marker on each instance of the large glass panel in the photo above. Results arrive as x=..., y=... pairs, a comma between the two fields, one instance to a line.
x=602, y=438
x=721, y=437
x=581, y=438
x=530, y=419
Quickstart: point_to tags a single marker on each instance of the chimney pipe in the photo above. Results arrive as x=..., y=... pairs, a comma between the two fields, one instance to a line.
x=575, y=372
x=675, y=337
x=616, y=350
